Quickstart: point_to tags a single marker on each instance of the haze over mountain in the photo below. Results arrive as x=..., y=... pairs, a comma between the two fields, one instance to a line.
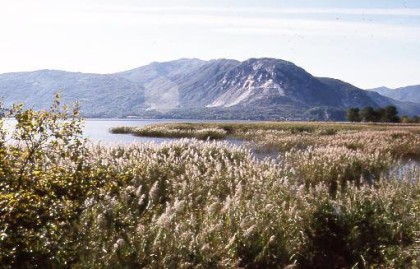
x=262, y=88
x=405, y=94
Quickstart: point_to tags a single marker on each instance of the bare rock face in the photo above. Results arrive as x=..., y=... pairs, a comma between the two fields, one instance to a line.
x=263, y=88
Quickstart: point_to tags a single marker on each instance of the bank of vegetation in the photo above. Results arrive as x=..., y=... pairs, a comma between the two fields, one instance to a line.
x=336, y=197
x=381, y=114
x=399, y=140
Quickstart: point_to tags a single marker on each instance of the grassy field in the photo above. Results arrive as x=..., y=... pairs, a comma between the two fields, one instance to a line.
x=337, y=196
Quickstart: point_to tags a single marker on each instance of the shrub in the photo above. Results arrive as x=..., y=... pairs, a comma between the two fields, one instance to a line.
x=42, y=188
x=363, y=228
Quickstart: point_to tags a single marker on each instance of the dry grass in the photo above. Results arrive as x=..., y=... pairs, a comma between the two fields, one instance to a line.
x=400, y=140
x=337, y=196
x=192, y=204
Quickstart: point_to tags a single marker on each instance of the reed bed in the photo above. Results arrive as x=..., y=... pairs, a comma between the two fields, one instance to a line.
x=192, y=204
x=181, y=131
x=335, y=197
x=399, y=140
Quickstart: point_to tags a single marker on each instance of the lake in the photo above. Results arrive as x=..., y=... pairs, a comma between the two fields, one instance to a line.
x=97, y=130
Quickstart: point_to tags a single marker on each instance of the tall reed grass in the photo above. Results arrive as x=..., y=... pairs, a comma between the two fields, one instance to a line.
x=334, y=198
x=194, y=204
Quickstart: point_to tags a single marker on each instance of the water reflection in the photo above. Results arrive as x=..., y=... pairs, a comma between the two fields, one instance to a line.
x=97, y=130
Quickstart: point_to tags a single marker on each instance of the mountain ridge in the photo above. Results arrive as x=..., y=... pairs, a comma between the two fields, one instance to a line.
x=405, y=94
x=257, y=88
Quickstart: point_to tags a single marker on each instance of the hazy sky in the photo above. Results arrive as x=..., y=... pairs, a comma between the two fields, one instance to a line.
x=367, y=43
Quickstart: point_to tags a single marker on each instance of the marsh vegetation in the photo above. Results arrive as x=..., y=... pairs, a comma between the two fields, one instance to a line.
x=398, y=140
x=330, y=200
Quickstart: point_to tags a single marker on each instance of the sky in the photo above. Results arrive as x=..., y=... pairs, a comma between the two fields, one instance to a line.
x=366, y=43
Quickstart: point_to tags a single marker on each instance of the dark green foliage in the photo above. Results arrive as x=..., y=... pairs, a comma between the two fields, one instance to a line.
x=255, y=252
x=369, y=114
x=359, y=236
x=414, y=119
x=390, y=114
x=353, y=114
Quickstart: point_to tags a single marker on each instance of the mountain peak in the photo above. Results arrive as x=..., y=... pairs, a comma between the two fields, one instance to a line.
x=181, y=61
x=259, y=62
x=257, y=88
x=404, y=94
x=382, y=88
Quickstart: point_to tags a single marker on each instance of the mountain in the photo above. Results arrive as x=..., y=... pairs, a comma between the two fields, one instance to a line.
x=357, y=98
x=183, y=83
x=95, y=93
x=262, y=88
x=405, y=94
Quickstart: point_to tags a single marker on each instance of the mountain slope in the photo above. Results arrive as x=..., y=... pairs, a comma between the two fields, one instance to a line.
x=263, y=88
x=98, y=95
x=355, y=97
x=404, y=108
x=270, y=82
x=405, y=94
x=349, y=95
x=181, y=83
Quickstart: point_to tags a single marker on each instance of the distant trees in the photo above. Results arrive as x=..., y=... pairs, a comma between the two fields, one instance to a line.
x=414, y=119
x=390, y=114
x=369, y=114
x=353, y=114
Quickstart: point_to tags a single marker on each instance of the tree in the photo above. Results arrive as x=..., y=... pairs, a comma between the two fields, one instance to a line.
x=391, y=114
x=379, y=115
x=368, y=114
x=353, y=114
x=405, y=119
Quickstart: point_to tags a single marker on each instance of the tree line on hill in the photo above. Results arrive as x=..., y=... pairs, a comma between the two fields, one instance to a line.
x=381, y=114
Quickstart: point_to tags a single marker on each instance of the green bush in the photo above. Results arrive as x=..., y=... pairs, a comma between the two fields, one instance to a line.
x=43, y=185
x=356, y=233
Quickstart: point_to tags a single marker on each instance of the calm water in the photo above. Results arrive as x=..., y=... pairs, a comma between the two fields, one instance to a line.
x=97, y=130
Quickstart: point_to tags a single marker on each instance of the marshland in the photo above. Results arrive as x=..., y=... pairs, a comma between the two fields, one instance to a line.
x=335, y=195
x=205, y=134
